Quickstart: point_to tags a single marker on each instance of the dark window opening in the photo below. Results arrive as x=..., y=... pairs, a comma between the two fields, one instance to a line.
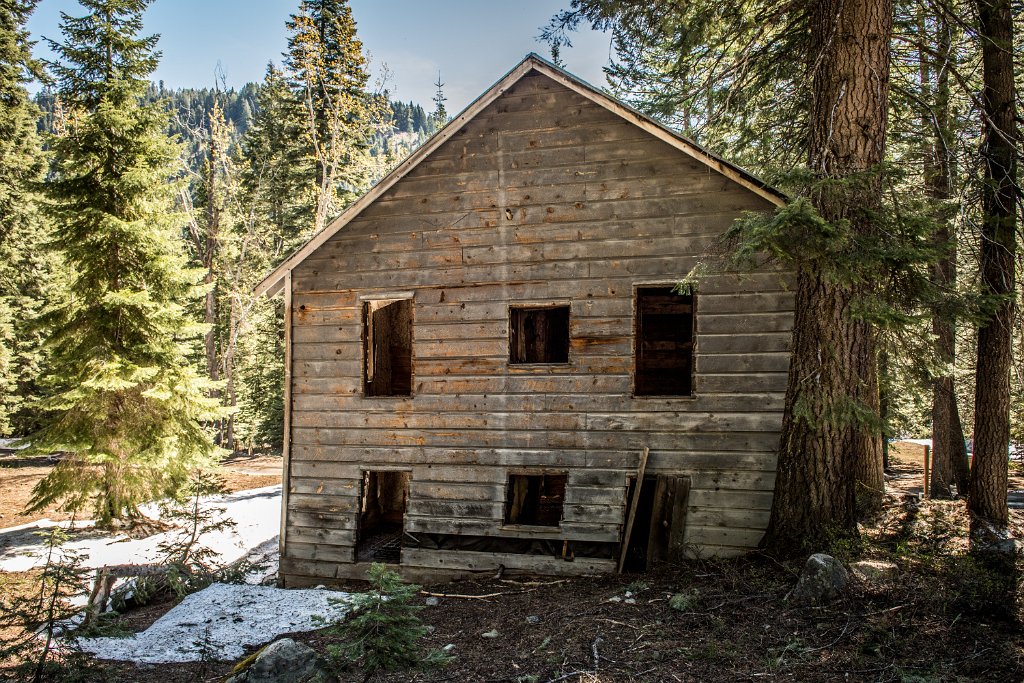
x=664, y=343
x=388, y=348
x=535, y=499
x=539, y=335
x=383, y=500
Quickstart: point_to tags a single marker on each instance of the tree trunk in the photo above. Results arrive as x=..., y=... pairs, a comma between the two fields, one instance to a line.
x=948, y=447
x=989, y=473
x=823, y=447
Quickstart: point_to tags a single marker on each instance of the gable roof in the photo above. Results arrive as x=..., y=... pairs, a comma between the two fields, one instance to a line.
x=274, y=282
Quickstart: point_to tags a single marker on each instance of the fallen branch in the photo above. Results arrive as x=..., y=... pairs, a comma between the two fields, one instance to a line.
x=535, y=583
x=475, y=597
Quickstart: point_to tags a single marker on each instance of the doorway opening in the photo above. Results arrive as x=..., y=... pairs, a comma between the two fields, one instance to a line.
x=384, y=497
x=659, y=528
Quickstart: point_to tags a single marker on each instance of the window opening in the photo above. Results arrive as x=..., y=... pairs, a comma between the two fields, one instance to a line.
x=535, y=499
x=539, y=335
x=664, y=343
x=388, y=347
x=384, y=498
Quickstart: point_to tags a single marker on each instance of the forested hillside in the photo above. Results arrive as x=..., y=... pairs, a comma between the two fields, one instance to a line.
x=237, y=177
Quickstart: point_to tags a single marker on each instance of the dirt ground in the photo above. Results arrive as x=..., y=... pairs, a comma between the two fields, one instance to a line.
x=906, y=470
x=702, y=621
x=18, y=475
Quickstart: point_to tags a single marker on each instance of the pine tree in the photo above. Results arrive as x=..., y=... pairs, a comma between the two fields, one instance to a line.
x=28, y=274
x=440, y=116
x=128, y=407
x=1000, y=204
x=800, y=91
x=327, y=72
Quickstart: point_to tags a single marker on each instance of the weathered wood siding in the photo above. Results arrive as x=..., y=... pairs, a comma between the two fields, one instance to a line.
x=543, y=197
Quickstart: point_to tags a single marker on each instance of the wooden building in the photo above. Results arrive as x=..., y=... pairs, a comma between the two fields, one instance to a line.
x=486, y=349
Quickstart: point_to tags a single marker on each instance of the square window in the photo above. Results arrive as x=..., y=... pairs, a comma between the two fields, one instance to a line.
x=535, y=499
x=664, y=343
x=539, y=335
x=387, y=338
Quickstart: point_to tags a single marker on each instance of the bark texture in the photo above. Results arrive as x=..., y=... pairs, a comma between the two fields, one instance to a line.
x=998, y=248
x=834, y=366
x=949, y=453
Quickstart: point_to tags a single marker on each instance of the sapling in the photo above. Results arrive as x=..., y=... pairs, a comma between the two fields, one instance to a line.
x=383, y=627
x=32, y=625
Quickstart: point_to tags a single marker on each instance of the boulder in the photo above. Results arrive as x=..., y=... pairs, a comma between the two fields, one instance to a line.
x=874, y=571
x=822, y=580
x=283, y=661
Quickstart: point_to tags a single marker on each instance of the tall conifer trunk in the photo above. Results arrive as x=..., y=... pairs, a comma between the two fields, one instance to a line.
x=949, y=453
x=1000, y=195
x=834, y=362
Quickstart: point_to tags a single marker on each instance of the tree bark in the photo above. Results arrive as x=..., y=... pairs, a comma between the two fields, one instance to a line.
x=1000, y=195
x=834, y=367
x=949, y=453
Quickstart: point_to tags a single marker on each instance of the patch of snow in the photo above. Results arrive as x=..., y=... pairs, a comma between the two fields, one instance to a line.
x=220, y=621
x=256, y=512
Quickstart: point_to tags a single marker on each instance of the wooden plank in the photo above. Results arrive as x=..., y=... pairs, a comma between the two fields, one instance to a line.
x=538, y=439
x=612, y=496
x=677, y=528
x=487, y=401
x=474, y=561
x=738, y=344
x=729, y=517
x=325, y=538
x=742, y=363
x=752, y=382
x=631, y=516
x=478, y=510
x=744, y=323
x=325, y=503
x=286, y=438
x=320, y=520
x=725, y=498
x=320, y=552
x=666, y=539
x=737, y=538
x=745, y=302
x=457, y=491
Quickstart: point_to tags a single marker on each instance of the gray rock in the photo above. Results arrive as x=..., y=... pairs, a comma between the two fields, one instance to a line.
x=874, y=571
x=822, y=580
x=283, y=661
x=490, y=634
x=533, y=619
x=432, y=602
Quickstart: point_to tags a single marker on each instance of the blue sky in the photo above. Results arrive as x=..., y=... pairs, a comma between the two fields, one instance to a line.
x=472, y=43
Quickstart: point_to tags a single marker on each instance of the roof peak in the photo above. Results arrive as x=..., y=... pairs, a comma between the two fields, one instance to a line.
x=531, y=62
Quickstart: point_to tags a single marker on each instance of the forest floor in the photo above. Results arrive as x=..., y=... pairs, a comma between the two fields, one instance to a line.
x=939, y=619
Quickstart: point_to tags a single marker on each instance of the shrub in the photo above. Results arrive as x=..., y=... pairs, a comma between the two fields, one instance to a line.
x=383, y=627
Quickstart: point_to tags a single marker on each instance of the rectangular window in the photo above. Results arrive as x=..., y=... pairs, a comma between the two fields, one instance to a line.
x=539, y=335
x=664, y=343
x=387, y=357
x=535, y=499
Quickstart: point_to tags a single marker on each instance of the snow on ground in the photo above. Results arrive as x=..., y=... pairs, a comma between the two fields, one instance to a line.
x=256, y=512
x=220, y=621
